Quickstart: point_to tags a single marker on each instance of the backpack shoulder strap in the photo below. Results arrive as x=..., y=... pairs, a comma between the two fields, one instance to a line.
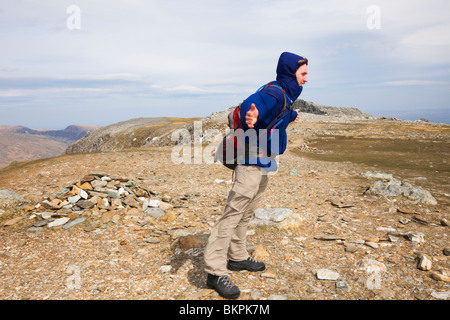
x=286, y=99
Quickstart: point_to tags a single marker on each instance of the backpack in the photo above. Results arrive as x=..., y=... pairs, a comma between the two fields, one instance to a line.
x=233, y=148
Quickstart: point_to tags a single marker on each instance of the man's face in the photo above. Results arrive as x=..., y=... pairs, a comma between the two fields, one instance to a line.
x=302, y=75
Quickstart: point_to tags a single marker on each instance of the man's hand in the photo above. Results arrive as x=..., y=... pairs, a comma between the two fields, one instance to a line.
x=298, y=115
x=251, y=116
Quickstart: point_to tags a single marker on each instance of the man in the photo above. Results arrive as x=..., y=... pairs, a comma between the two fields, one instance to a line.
x=228, y=236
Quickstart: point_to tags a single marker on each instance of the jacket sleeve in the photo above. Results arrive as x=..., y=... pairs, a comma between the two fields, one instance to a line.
x=265, y=105
x=293, y=115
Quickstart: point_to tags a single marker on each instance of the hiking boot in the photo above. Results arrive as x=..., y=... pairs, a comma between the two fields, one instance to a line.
x=250, y=264
x=224, y=286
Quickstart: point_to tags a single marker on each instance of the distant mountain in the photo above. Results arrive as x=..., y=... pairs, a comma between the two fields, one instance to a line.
x=146, y=132
x=138, y=132
x=339, y=112
x=19, y=143
x=70, y=134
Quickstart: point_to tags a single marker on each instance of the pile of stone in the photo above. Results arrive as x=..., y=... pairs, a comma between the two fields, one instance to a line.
x=392, y=187
x=100, y=195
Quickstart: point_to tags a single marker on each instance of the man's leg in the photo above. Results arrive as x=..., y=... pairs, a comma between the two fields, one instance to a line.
x=216, y=250
x=238, y=246
x=246, y=186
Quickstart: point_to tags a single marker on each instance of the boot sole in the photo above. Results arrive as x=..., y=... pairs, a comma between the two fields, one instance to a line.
x=231, y=268
x=234, y=296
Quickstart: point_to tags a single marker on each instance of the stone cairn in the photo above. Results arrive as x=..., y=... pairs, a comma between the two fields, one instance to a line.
x=101, y=196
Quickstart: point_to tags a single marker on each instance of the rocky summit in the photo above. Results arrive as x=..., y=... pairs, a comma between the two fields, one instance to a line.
x=358, y=210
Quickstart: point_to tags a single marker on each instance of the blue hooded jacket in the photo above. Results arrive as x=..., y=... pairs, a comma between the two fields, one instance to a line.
x=270, y=101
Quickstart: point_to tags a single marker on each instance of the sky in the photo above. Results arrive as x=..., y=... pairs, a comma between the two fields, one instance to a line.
x=102, y=62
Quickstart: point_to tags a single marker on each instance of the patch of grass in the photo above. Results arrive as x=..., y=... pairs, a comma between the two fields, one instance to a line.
x=428, y=156
x=417, y=152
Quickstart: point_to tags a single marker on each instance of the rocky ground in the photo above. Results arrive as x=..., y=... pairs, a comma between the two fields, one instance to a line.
x=141, y=233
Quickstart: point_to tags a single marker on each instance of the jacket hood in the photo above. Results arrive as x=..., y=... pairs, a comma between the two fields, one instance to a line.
x=286, y=68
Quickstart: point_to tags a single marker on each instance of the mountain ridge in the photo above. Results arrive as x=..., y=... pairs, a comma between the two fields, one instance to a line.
x=20, y=143
x=145, y=132
x=70, y=133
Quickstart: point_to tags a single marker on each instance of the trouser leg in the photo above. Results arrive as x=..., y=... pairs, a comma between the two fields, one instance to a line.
x=238, y=245
x=228, y=236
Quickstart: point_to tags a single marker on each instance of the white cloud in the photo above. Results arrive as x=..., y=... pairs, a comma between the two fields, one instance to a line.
x=13, y=93
x=194, y=49
x=427, y=46
x=47, y=92
x=414, y=83
x=414, y=31
x=107, y=76
x=211, y=39
x=186, y=89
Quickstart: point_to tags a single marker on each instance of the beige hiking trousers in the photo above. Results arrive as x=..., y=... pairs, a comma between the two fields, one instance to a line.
x=228, y=236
